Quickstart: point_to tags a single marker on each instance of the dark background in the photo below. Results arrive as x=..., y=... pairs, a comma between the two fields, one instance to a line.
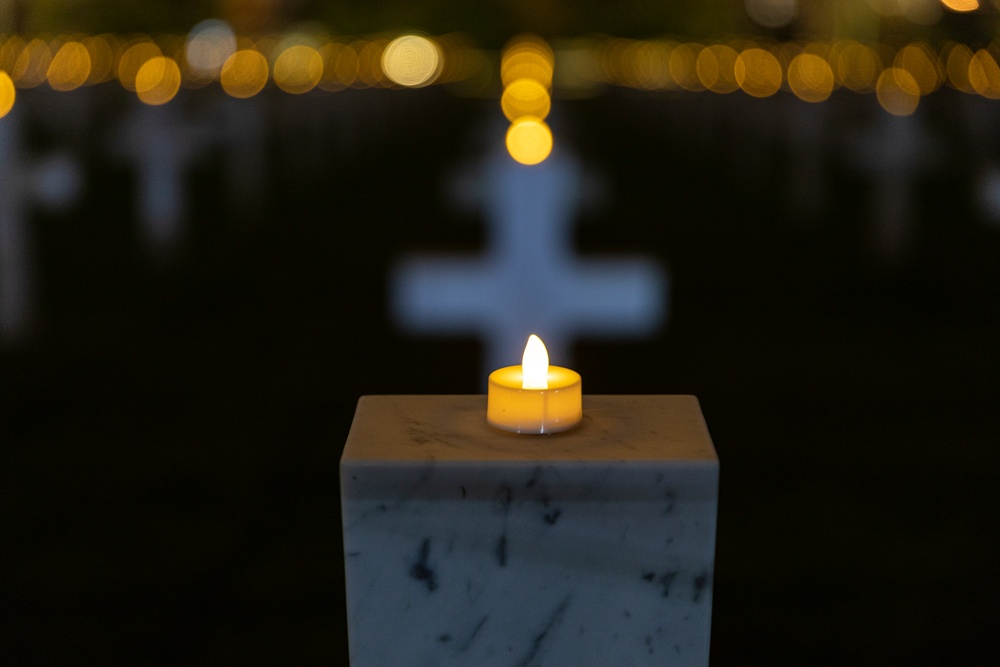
x=170, y=431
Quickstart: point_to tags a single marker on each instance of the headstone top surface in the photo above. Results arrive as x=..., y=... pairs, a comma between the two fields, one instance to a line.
x=442, y=428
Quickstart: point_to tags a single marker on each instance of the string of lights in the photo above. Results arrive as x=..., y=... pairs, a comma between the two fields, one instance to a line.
x=156, y=68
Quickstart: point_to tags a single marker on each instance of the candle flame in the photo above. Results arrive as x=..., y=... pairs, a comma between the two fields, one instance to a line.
x=535, y=364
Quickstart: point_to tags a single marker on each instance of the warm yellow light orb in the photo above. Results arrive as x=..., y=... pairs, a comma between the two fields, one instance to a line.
x=646, y=65
x=244, y=74
x=102, y=65
x=683, y=66
x=957, y=67
x=10, y=48
x=922, y=64
x=897, y=91
x=810, y=77
x=412, y=61
x=858, y=67
x=716, y=68
x=758, y=72
x=525, y=97
x=133, y=59
x=529, y=140
x=7, y=94
x=32, y=64
x=70, y=67
x=961, y=5
x=298, y=69
x=535, y=364
x=370, y=71
x=527, y=57
x=158, y=81
x=340, y=66
x=984, y=74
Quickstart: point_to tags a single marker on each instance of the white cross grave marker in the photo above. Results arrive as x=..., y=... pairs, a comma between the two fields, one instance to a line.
x=163, y=147
x=53, y=182
x=529, y=280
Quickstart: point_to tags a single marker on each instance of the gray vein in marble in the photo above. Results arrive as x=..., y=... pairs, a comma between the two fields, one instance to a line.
x=417, y=484
x=553, y=622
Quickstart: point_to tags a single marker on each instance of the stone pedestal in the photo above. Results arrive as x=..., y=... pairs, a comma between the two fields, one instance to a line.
x=465, y=545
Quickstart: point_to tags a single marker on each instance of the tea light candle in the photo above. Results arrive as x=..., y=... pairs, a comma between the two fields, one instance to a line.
x=534, y=397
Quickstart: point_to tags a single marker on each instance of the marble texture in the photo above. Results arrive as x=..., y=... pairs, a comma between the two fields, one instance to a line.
x=465, y=545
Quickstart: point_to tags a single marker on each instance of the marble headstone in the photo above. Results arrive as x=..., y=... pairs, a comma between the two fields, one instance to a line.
x=465, y=545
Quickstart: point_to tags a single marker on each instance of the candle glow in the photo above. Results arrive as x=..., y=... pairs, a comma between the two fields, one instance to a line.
x=535, y=364
x=534, y=397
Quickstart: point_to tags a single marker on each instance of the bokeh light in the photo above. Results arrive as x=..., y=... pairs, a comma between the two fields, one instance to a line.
x=70, y=67
x=244, y=74
x=529, y=140
x=651, y=65
x=858, y=67
x=8, y=94
x=957, y=67
x=10, y=49
x=132, y=60
x=897, y=91
x=758, y=72
x=302, y=61
x=412, y=61
x=984, y=74
x=610, y=60
x=683, y=65
x=298, y=69
x=208, y=45
x=460, y=59
x=102, y=58
x=716, y=68
x=810, y=77
x=370, y=72
x=923, y=66
x=525, y=97
x=158, y=80
x=340, y=66
x=961, y=5
x=527, y=57
x=32, y=64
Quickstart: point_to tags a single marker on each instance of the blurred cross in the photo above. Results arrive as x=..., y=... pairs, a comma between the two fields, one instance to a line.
x=53, y=182
x=162, y=148
x=529, y=280
x=894, y=152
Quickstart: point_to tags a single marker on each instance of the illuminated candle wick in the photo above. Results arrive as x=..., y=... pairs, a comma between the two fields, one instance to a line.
x=535, y=364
